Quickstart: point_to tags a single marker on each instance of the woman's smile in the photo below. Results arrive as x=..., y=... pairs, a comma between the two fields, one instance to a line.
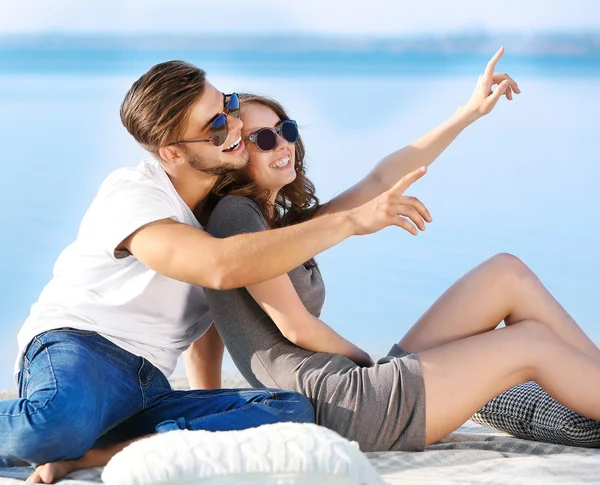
x=281, y=163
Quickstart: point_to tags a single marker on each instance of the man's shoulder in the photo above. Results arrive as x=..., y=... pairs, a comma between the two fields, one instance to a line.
x=144, y=172
x=132, y=189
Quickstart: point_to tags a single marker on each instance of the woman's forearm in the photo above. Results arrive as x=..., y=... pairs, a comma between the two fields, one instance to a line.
x=422, y=152
x=317, y=336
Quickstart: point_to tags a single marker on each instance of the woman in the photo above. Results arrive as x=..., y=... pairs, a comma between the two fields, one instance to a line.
x=447, y=366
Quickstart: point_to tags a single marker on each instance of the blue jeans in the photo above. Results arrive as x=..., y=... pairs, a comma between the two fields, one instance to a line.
x=79, y=391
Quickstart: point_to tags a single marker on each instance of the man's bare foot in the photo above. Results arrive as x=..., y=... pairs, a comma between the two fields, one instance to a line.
x=50, y=472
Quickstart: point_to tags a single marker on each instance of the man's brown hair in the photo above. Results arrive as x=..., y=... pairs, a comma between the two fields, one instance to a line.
x=156, y=109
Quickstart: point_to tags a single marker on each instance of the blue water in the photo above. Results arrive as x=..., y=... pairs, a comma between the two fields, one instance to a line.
x=523, y=180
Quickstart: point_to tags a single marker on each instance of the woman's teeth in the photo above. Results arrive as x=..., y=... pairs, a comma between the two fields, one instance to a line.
x=234, y=145
x=281, y=163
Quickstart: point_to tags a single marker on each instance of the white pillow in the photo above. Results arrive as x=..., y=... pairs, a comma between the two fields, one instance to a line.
x=272, y=454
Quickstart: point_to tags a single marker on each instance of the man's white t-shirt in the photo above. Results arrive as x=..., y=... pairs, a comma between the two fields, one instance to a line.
x=113, y=293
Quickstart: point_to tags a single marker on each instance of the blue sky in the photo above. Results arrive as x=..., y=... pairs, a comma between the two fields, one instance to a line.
x=384, y=17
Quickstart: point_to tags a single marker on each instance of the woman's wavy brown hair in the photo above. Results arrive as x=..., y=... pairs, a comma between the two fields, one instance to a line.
x=295, y=203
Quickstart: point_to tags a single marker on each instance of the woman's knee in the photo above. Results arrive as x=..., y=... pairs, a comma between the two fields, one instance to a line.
x=510, y=265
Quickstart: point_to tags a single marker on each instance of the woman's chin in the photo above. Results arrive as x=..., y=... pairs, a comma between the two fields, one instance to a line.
x=279, y=184
x=290, y=177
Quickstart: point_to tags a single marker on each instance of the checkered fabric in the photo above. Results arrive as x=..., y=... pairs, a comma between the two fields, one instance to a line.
x=528, y=412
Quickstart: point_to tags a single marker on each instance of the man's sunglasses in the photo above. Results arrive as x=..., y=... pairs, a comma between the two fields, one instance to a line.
x=266, y=138
x=218, y=128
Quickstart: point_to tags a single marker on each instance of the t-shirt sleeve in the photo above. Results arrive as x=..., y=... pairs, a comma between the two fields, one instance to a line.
x=124, y=206
x=235, y=215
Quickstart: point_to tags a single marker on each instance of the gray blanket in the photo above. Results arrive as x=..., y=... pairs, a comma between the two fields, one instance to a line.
x=472, y=454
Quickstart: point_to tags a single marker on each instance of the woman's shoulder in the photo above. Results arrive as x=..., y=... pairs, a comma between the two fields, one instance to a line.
x=230, y=202
x=234, y=214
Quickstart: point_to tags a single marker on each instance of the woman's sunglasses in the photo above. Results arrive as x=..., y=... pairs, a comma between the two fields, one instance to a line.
x=218, y=128
x=266, y=138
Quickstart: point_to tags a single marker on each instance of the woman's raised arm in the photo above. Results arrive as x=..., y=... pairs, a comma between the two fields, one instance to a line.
x=425, y=150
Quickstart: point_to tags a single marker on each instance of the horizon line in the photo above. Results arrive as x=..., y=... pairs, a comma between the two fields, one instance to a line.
x=303, y=33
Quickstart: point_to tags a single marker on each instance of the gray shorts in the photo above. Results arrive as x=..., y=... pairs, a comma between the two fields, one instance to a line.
x=380, y=407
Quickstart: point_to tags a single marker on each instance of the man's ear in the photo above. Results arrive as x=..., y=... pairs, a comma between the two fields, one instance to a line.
x=170, y=155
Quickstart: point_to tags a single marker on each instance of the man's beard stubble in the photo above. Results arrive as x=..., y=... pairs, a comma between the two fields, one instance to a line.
x=214, y=167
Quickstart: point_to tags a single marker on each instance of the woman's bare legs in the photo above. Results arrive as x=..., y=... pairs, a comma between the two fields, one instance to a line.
x=463, y=375
x=501, y=288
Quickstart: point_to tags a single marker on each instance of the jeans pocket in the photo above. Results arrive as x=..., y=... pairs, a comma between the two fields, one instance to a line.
x=39, y=381
x=23, y=376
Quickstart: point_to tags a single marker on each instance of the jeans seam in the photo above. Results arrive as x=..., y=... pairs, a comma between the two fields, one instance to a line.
x=212, y=415
x=248, y=406
x=23, y=373
x=20, y=380
x=211, y=396
x=140, y=384
x=150, y=376
x=26, y=387
x=83, y=333
x=143, y=386
x=267, y=401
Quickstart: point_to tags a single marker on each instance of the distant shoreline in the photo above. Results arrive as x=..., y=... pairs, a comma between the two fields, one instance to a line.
x=468, y=42
x=102, y=55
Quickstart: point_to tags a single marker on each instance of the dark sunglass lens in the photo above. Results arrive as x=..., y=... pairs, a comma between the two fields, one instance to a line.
x=233, y=105
x=289, y=130
x=218, y=130
x=266, y=140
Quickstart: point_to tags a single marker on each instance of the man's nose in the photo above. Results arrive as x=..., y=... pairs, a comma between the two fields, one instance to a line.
x=234, y=123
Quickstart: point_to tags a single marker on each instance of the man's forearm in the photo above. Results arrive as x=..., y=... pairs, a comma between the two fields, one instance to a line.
x=257, y=257
x=246, y=259
x=184, y=253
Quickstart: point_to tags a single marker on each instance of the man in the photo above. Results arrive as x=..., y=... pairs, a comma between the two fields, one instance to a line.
x=126, y=298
